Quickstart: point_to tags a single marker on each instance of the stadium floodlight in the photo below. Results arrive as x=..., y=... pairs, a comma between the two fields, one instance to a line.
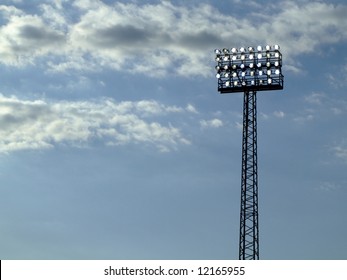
x=268, y=60
x=249, y=70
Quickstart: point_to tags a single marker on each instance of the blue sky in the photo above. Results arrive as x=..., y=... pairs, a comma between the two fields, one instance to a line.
x=115, y=143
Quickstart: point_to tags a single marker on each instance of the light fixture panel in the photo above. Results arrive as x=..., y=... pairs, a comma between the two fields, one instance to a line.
x=241, y=70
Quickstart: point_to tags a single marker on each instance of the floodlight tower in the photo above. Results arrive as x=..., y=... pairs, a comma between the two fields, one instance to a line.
x=248, y=71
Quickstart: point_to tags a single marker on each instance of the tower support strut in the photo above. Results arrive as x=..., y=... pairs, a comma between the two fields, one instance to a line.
x=249, y=225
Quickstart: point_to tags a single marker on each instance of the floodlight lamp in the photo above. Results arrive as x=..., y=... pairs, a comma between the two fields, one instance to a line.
x=243, y=69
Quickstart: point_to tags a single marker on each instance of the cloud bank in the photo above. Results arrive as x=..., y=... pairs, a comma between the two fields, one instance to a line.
x=162, y=38
x=40, y=124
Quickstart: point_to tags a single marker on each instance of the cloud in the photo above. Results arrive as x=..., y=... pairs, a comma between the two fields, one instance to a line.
x=340, y=152
x=315, y=98
x=325, y=105
x=339, y=78
x=162, y=38
x=40, y=124
x=304, y=118
x=190, y=108
x=263, y=116
x=152, y=107
x=214, y=123
x=239, y=125
x=8, y=11
x=279, y=114
x=26, y=37
x=328, y=186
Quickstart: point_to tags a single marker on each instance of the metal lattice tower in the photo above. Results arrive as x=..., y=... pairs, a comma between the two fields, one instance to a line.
x=249, y=225
x=248, y=71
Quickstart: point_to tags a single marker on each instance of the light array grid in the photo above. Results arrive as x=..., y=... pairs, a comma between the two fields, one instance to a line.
x=249, y=69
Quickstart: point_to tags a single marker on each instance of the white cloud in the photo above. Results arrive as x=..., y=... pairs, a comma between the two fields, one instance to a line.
x=155, y=39
x=149, y=107
x=214, y=123
x=239, y=125
x=190, y=108
x=279, y=114
x=315, y=98
x=304, y=118
x=340, y=152
x=8, y=11
x=26, y=37
x=54, y=15
x=322, y=104
x=328, y=186
x=294, y=68
x=339, y=78
x=264, y=116
x=41, y=124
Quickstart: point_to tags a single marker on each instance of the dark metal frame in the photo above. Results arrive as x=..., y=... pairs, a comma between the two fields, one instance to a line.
x=249, y=224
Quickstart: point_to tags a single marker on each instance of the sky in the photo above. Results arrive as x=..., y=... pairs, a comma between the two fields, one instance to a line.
x=115, y=143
